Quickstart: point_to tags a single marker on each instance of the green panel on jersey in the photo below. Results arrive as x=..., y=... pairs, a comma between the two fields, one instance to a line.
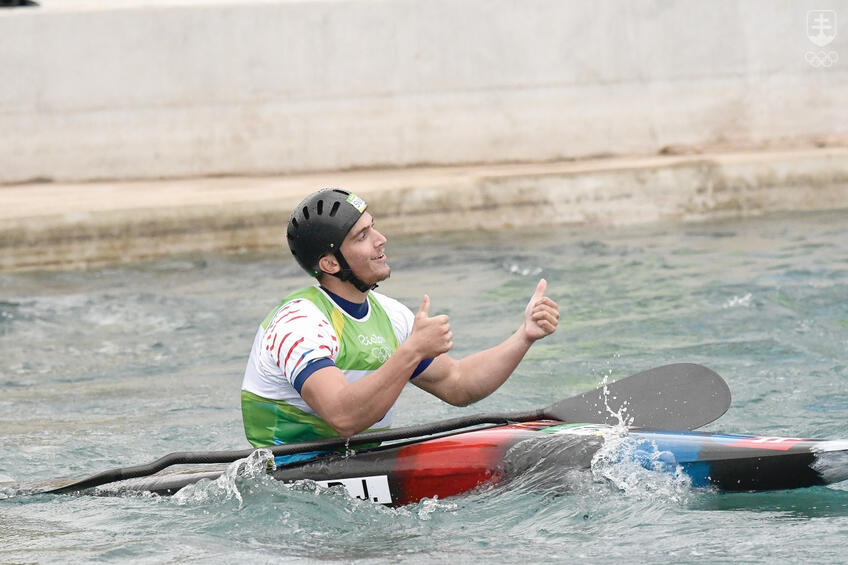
x=272, y=422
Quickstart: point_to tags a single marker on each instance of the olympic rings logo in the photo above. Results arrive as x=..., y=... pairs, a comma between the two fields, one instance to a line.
x=819, y=59
x=381, y=353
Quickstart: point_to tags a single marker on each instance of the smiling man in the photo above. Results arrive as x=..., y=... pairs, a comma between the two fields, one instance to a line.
x=332, y=359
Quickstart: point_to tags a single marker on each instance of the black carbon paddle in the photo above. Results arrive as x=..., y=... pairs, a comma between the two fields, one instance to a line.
x=676, y=397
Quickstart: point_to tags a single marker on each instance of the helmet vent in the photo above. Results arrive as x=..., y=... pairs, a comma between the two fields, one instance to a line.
x=294, y=223
x=320, y=207
x=334, y=209
x=305, y=212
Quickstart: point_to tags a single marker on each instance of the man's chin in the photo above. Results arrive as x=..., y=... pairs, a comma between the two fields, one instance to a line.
x=380, y=277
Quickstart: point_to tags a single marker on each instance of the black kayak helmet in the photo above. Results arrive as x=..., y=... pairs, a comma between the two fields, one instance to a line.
x=319, y=225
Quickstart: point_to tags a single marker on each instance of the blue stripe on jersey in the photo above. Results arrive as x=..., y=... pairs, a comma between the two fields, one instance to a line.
x=309, y=369
x=422, y=366
x=305, y=353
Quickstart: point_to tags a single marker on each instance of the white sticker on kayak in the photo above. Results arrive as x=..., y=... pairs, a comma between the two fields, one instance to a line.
x=374, y=488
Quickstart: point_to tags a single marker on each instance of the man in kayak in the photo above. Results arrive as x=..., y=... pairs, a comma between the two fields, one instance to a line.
x=332, y=359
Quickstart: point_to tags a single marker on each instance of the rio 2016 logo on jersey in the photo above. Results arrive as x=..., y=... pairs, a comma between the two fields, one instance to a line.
x=373, y=339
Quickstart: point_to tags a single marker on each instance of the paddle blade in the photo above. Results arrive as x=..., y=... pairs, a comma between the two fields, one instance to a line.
x=682, y=396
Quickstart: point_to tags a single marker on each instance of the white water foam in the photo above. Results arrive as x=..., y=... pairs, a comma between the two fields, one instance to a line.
x=737, y=301
x=226, y=486
x=524, y=271
x=638, y=468
x=428, y=506
x=832, y=460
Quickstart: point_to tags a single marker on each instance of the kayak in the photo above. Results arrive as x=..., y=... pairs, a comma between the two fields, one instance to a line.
x=660, y=405
x=458, y=462
x=453, y=455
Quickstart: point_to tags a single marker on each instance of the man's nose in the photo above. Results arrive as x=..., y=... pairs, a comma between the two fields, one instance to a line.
x=380, y=239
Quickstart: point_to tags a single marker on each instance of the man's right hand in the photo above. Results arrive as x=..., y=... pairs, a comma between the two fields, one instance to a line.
x=430, y=336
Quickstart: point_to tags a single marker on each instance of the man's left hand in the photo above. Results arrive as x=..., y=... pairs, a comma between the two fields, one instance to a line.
x=541, y=314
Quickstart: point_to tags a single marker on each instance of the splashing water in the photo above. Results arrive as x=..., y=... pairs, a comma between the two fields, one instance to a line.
x=621, y=413
x=349, y=452
x=226, y=487
x=638, y=468
x=428, y=506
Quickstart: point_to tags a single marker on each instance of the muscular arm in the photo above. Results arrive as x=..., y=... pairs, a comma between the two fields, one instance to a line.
x=352, y=407
x=462, y=382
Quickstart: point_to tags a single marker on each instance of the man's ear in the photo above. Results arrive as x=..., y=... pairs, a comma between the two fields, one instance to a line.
x=329, y=264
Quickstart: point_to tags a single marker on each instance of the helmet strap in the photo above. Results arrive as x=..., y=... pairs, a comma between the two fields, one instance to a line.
x=346, y=274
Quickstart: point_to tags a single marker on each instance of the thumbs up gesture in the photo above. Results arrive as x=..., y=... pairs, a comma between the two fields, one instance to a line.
x=541, y=314
x=431, y=336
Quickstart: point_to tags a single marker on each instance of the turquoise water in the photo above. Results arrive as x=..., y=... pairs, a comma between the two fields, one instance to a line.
x=120, y=365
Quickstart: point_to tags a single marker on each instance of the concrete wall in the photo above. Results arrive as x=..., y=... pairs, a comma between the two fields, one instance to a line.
x=64, y=224
x=266, y=87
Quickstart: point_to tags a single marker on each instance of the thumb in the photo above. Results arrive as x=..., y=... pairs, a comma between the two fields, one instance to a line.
x=540, y=289
x=425, y=306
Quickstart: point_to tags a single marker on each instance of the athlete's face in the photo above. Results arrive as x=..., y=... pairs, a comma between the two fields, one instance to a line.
x=365, y=251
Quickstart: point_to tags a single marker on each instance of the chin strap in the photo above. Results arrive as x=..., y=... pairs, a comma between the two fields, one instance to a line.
x=346, y=274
